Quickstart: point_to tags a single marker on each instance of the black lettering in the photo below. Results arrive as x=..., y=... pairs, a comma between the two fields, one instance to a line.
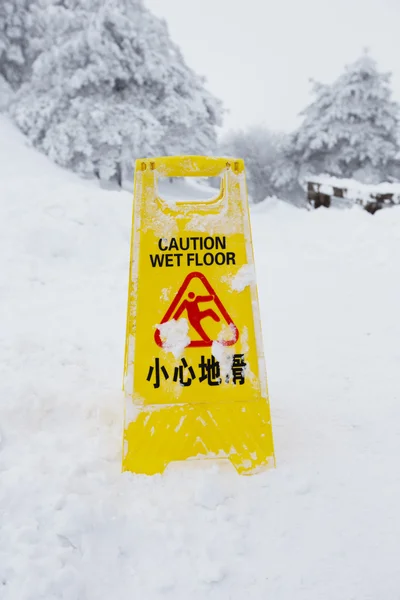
x=181, y=246
x=160, y=246
x=190, y=258
x=157, y=260
x=220, y=243
x=169, y=260
x=208, y=243
x=198, y=264
x=220, y=258
x=173, y=245
x=194, y=242
x=208, y=259
x=178, y=259
x=230, y=258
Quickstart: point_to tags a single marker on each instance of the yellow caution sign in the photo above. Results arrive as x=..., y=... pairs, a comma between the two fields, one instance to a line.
x=195, y=381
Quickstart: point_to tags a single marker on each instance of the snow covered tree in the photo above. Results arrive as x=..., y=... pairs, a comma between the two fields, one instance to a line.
x=113, y=87
x=6, y=94
x=17, y=40
x=350, y=130
x=260, y=149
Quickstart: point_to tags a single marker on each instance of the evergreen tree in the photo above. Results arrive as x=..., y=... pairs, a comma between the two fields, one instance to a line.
x=6, y=94
x=18, y=43
x=350, y=130
x=261, y=150
x=113, y=87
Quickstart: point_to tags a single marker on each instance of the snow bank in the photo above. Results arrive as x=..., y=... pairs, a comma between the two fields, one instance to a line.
x=323, y=525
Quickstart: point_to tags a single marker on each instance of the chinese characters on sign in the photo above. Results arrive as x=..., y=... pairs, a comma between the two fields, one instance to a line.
x=209, y=371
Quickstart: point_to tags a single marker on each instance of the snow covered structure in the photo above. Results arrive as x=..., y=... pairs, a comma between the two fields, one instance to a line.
x=325, y=190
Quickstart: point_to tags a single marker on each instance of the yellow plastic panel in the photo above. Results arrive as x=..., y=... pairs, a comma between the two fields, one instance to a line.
x=195, y=381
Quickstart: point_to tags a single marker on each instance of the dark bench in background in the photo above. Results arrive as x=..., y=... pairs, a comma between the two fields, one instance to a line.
x=373, y=202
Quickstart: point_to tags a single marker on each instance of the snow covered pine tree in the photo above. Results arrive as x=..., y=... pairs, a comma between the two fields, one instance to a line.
x=351, y=129
x=111, y=87
x=17, y=41
x=261, y=150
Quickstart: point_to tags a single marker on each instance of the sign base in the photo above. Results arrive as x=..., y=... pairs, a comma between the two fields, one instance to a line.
x=234, y=431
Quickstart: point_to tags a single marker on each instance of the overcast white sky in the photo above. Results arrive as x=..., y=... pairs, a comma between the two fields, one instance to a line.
x=258, y=55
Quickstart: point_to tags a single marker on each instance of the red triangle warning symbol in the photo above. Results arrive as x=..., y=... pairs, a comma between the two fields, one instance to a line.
x=189, y=306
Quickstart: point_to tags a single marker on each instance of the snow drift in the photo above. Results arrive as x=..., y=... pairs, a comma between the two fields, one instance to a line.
x=324, y=524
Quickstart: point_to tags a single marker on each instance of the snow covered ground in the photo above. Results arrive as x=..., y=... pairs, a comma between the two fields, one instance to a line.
x=324, y=525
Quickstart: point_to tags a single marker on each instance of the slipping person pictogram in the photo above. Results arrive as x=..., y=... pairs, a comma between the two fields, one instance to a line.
x=195, y=315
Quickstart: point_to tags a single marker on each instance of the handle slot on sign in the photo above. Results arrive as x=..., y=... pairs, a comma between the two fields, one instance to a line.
x=189, y=191
x=194, y=167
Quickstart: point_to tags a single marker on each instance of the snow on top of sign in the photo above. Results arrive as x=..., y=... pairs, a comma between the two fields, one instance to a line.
x=220, y=223
x=174, y=334
x=132, y=412
x=244, y=277
x=227, y=332
x=244, y=349
x=165, y=294
x=158, y=215
x=226, y=221
x=224, y=356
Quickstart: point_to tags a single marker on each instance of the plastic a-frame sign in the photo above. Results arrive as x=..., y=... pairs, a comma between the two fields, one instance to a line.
x=195, y=380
